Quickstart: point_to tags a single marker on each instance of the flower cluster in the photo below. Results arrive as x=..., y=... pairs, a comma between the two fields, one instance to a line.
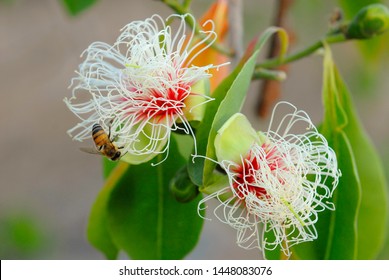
x=145, y=86
x=278, y=180
x=142, y=87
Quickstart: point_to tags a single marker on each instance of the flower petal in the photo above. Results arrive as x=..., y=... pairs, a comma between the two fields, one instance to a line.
x=199, y=92
x=235, y=138
x=150, y=143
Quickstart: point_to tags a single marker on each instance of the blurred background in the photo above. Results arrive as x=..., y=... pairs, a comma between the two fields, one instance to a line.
x=47, y=186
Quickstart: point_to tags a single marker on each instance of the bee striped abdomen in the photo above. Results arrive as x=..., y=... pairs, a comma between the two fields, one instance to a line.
x=100, y=137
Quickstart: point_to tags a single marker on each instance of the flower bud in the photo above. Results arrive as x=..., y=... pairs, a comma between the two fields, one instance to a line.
x=182, y=187
x=370, y=21
x=274, y=182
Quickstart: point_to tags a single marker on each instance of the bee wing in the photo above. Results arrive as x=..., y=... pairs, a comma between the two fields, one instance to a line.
x=90, y=150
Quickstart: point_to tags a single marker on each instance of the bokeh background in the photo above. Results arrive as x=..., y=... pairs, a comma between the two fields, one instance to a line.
x=47, y=186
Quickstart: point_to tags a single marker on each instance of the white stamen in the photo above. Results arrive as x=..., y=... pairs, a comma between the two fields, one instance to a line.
x=132, y=83
x=298, y=174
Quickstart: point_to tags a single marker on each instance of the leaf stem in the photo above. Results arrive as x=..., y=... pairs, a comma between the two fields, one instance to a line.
x=269, y=74
x=186, y=4
x=160, y=224
x=275, y=62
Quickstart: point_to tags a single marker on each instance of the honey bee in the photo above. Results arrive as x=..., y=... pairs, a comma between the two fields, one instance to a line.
x=103, y=144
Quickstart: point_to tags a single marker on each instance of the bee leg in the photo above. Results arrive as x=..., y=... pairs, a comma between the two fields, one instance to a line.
x=109, y=129
x=114, y=139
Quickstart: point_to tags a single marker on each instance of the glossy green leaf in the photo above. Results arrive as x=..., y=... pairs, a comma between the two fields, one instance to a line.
x=98, y=228
x=75, y=7
x=229, y=97
x=337, y=230
x=144, y=218
x=356, y=229
x=373, y=209
x=342, y=235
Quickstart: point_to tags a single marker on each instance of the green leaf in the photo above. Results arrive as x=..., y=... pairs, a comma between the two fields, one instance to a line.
x=337, y=230
x=144, y=218
x=98, y=228
x=108, y=166
x=195, y=168
x=373, y=209
x=342, y=230
x=75, y=7
x=229, y=97
x=356, y=229
x=184, y=143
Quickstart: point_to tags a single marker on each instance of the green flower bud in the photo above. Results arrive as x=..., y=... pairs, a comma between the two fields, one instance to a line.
x=370, y=21
x=182, y=188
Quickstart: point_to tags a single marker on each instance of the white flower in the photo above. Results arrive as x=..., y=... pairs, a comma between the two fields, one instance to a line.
x=277, y=181
x=142, y=87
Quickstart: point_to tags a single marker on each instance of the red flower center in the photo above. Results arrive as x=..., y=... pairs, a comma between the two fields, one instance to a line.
x=247, y=175
x=158, y=105
x=163, y=105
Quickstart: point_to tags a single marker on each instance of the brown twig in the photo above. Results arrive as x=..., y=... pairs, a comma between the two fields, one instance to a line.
x=236, y=29
x=271, y=89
